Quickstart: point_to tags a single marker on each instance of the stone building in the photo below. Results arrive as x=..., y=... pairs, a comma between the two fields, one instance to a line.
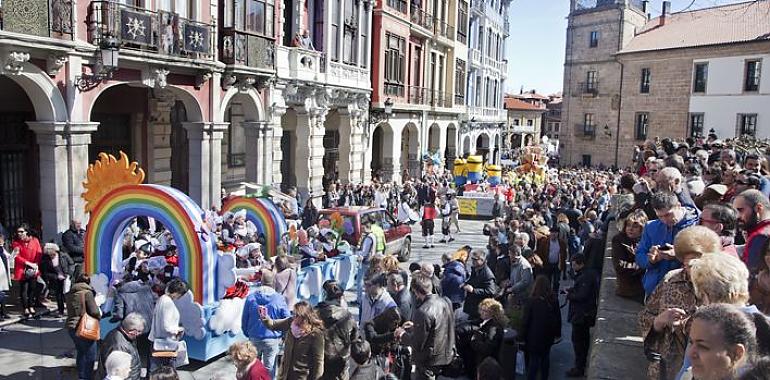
x=203, y=94
x=482, y=124
x=676, y=75
x=524, y=122
x=552, y=123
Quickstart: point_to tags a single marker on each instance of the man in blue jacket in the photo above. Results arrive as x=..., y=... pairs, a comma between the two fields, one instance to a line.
x=655, y=252
x=267, y=342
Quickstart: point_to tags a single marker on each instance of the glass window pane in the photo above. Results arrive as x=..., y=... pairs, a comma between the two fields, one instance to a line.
x=269, y=21
x=239, y=14
x=164, y=5
x=182, y=8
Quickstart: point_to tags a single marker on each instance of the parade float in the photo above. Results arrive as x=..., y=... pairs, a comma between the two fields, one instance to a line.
x=115, y=196
x=481, y=183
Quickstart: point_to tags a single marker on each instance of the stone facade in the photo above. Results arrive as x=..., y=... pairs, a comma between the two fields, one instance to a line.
x=613, y=25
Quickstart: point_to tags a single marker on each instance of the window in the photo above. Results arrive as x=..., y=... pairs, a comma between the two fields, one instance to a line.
x=364, y=40
x=480, y=40
x=591, y=82
x=696, y=124
x=753, y=69
x=644, y=86
x=349, y=40
x=462, y=22
x=642, y=125
x=747, y=124
x=460, y=81
x=587, y=160
x=256, y=16
x=184, y=8
x=236, y=137
x=588, y=124
x=394, y=65
x=700, y=77
x=593, y=39
x=530, y=122
x=335, y=45
x=516, y=122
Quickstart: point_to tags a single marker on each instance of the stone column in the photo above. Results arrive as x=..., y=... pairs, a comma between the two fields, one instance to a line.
x=310, y=152
x=54, y=177
x=266, y=156
x=79, y=137
x=345, y=162
x=199, y=162
x=254, y=150
x=216, y=132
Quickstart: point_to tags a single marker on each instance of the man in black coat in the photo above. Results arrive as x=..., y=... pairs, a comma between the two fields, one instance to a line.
x=123, y=338
x=480, y=285
x=401, y=295
x=72, y=241
x=432, y=332
x=582, y=312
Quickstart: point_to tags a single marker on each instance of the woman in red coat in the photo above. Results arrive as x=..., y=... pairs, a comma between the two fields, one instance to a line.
x=28, y=255
x=244, y=357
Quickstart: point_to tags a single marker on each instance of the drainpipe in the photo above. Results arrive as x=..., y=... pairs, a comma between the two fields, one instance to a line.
x=620, y=107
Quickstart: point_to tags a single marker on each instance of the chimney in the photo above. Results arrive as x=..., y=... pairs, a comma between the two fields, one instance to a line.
x=666, y=12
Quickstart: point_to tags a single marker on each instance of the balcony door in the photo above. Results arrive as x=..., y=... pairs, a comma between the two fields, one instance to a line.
x=184, y=8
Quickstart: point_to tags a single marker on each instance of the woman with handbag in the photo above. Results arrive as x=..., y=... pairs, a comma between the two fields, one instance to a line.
x=56, y=267
x=83, y=324
x=26, y=270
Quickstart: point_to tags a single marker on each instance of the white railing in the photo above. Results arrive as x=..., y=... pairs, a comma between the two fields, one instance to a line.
x=300, y=64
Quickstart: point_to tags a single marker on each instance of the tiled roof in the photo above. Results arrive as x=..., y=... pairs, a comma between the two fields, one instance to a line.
x=741, y=22
x=516, y=104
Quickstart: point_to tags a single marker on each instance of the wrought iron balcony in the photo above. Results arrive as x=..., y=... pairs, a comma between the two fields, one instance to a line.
x=586, y=131
x=394, y=89
x=459, y=99
x=422, y=18
x=441, y=99
x=476, y=57
x=245, y=49
x=417, y=95
x=588, y=88
x=443, y=29
x=397, y=5
x=42, y=18
x=159, y=32
x=462, y=37
x=477, y=6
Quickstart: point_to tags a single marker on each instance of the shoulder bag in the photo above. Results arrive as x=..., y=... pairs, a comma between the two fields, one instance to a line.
x=88, y=326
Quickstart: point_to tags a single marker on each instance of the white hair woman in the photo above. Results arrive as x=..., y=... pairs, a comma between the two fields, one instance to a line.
x=117, y=365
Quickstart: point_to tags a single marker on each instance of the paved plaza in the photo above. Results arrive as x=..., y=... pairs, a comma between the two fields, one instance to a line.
x=41, y=349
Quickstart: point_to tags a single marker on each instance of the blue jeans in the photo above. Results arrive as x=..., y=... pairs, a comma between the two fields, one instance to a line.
x=267, y=350
x=362, y=269
x=86, y=356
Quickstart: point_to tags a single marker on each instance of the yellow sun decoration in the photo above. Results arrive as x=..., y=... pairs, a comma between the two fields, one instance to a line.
x=108, y=173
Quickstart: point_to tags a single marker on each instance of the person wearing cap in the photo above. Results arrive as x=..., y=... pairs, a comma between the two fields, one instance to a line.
x=267, y=342
x=56, y=267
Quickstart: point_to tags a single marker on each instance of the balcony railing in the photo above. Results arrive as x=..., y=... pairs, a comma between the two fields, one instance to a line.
x=422, y=18
x=478, y=6
x=588, y=88
x=441, y=99
x=417, y=95
x=443, y=29
x=139, y=29
x=394, y=89
x=42, y=18
x=397, y=5
x=587, y=131
x=459, y=99
x=239, y=48
x=462, y=38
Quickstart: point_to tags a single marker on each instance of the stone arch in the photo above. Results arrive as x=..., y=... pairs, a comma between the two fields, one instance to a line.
x=466, y=144
x=434, y=137
x=45, y=96
x=254, y=111
x=382, y=160
x=410, y=149
x=191, y=104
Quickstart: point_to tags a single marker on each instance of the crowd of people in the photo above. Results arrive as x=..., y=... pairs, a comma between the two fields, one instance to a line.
x=690, y=241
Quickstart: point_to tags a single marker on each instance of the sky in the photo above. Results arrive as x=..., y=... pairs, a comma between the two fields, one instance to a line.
x=535, y=48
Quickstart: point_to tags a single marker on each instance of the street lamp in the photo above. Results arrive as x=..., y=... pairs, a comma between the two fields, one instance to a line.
x=376, y=117
x=107, y=63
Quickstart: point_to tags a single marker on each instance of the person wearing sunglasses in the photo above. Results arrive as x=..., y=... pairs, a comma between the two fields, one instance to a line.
x=28, y=255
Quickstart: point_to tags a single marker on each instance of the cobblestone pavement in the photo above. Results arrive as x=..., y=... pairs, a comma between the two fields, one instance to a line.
x=41, y=349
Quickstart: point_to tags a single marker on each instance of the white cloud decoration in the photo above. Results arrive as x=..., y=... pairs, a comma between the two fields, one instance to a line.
x=101, y=285
x=228, y=316
x=225, y=272
x=191, y=316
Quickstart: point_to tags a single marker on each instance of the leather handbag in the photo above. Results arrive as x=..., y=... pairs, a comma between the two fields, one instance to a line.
x=88, y=326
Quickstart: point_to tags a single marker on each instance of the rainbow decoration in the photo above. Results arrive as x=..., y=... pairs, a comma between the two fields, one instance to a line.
x=265, y=215
x=178, y=213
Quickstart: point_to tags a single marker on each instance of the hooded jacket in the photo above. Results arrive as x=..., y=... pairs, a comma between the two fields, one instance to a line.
x=453, y=280
x=80, y=294
x=341, y=329
x=252, y=326
x=135, y=297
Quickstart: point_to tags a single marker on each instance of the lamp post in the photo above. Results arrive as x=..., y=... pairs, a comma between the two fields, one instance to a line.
x=108, y=55
x=376, y=117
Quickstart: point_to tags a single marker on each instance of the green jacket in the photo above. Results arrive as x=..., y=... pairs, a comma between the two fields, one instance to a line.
x=380, y=235
x=74, y=300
